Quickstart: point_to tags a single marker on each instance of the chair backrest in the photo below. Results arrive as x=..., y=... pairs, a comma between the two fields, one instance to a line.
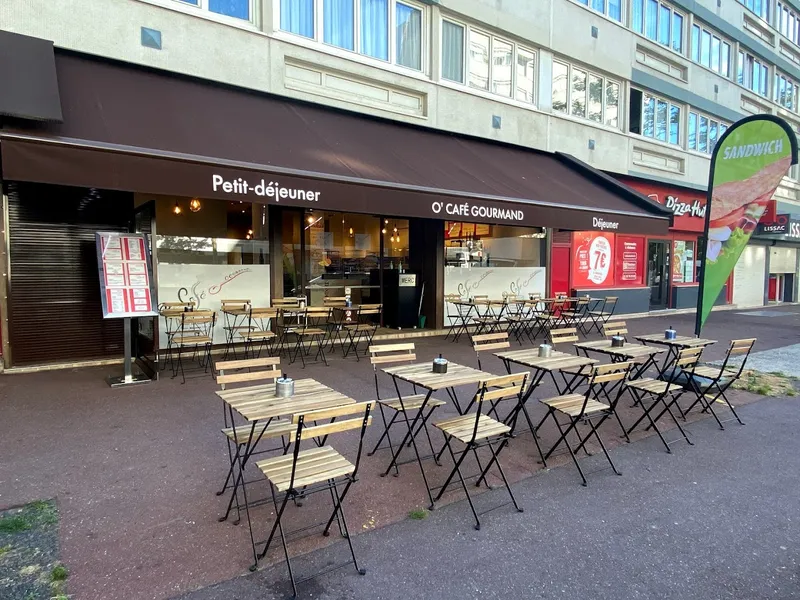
x=307, y=429
x=480, y=297
x=563, y=335
x=262, y=318
x=612, y=328
x=387, y=354
x=601, y=376
x=497, y=389
x=738, y=348
x=560, y=294
x=176, y=305
x=368, y=312
x=198, y=322
x=489, y=341
x=609, y=305
x=285, y=302
x=334, y=301
x=259, y=369
x=313, y=316
x=234, y=305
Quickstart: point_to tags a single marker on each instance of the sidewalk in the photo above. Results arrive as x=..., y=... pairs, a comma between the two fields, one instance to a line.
x=135, y=470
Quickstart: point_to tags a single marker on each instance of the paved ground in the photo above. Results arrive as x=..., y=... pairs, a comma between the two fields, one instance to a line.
x=719, y=520
x=134, y=470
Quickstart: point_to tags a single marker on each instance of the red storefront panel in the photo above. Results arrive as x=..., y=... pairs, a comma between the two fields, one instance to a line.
x=592, y=259
x=630, y=260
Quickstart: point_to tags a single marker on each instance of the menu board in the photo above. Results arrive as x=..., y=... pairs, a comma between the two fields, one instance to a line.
x=126, y=275
x=592, y=264
x=630, y=260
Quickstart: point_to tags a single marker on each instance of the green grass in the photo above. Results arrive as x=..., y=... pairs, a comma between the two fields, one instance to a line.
x=14, y=524
x=59, y=573
x=4, y=550
x=418, y=514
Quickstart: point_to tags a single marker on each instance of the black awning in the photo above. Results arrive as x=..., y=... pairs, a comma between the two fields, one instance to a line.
x=28, y=83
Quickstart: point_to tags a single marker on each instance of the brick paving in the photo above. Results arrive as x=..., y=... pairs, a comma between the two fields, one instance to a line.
x=134, y=470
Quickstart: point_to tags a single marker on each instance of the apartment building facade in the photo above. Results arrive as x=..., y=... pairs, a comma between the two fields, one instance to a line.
x=636, y=89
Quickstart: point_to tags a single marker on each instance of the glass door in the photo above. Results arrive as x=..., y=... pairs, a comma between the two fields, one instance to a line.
x=658, y=273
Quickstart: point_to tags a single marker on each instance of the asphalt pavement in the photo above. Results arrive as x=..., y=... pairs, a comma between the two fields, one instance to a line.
x=718, y=520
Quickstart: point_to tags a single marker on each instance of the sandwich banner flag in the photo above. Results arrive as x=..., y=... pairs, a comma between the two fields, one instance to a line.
x=747, y=165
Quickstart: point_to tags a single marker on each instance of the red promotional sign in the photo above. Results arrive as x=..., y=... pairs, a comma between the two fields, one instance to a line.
x=593, y=259
x=688, y=206
x=630, y=260
x=124, y=275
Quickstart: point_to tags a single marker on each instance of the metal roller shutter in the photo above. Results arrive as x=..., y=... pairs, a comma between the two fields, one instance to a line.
x=55, y=313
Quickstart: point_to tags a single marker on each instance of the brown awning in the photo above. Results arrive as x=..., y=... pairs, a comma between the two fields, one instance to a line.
x=132, y=129
x=28, y=84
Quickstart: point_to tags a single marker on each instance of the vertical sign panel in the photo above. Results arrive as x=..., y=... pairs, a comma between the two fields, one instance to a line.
x=126, y=275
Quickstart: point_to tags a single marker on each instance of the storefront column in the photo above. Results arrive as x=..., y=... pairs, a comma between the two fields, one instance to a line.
x=5, y=272
x=275, y=225
x=766, y=277
x=548, y=260
x=426, y=259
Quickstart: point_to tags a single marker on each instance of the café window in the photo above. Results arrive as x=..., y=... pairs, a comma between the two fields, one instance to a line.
x=710, y=50
x=610, y=8
x=704, y=132
x=655, y=117
x=684, y=262
x=659, y=22
x=211, y=250
x=388, y=30
x=486, y=62
x=493, y=260
x=238, y=9
x=584, y=94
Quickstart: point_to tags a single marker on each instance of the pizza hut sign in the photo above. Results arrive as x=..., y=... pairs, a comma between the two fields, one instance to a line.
x=681, y=209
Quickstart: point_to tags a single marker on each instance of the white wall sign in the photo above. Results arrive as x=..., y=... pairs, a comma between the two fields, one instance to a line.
x=208, y=285
x=494, y=282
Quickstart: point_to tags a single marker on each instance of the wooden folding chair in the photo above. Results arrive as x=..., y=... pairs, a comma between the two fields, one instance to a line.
x=310, y=330
x=478, y=430
x=601, y=316
x=710, y=383
x=285, y=302
x=663, y=393
x=259, y=330
x=452, y=315
x=314, y=470
x=592, y=407
x=367, y=322
x=171, y=312
x=243, y=438
x=486, y=342
x=334, y=301
x=400, y=406
x=560, y=336
x=576, y=315
x=196, y=332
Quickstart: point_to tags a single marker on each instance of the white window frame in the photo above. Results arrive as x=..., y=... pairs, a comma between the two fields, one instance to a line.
x=672, y=12
x=747, y=75
x=318, y=40
x=606, y=80
x=201, y=10
x=720, y=122
x=722, y=40
x=778, y=75
x=604, y=12
x=468, y=29
x=785, y=15
x=766, y=5
x=681, y=122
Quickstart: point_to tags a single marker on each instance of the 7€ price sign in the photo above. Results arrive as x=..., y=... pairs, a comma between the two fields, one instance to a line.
x=593, y=259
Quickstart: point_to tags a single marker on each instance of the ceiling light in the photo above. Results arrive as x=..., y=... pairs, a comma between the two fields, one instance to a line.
x=310, y=218
x=194, y=204
x=383, y=230
x=177, y=210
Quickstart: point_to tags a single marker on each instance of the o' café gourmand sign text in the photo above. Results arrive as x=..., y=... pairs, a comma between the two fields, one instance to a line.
x=273, y=190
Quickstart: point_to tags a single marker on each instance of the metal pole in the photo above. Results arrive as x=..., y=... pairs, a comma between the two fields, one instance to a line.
x=126, y=327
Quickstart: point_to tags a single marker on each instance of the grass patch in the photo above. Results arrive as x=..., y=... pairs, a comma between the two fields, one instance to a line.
x=418, y=514
x=767, y=384
x=14, y=524
x=4, y=550
x=59, y=573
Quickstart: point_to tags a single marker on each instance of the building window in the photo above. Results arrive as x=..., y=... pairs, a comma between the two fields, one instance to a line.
x=659, y=22
x=611, y=8
x=704, y=132
x=492, y=64
x=683, y=268
x=788, y=22
x=363, y=26
x=238, y=9
x=753, y=74
x=584, y=94
x=709, y=50
x=785, y=92
x=655, y=117
x=759, y=7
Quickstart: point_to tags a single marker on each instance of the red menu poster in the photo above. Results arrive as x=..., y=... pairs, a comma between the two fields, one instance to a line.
x=630, y=260
x=593, y=264
x=126, y=281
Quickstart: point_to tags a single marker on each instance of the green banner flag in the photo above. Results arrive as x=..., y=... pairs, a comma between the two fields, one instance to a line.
x=748, y=163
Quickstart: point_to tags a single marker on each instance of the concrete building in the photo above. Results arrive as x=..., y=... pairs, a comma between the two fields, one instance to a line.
x=638, y=89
